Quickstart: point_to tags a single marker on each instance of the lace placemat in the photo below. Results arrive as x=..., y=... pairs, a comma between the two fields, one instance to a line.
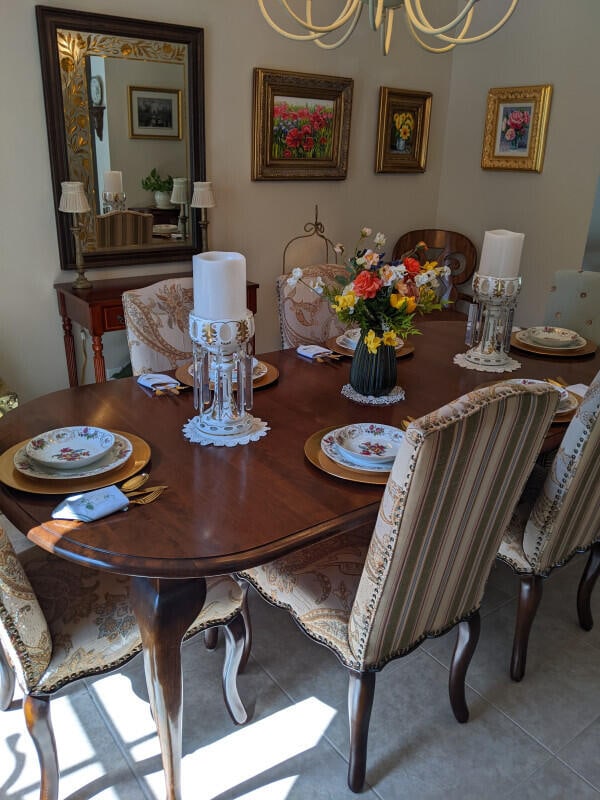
x=192, y=431
x=395, y=396
x=509, y=366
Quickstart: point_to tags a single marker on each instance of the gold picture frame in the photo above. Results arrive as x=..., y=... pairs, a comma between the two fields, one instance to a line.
x=516, y=123
x=301, y=126
x=154, y=113
x=402, y=130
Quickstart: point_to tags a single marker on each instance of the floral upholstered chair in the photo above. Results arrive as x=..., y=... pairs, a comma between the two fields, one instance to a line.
x=371, y=598
x=305, y=316
x=556, y=519
x=156, y=319
x=60, y=622
x=574, y=302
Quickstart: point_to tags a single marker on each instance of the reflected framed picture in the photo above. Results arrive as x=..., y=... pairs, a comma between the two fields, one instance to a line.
x=402, y=130
x=516, y=123
x=154, y=113
x=301, y=126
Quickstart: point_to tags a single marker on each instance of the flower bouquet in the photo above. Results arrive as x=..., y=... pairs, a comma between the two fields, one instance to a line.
x=381, y=299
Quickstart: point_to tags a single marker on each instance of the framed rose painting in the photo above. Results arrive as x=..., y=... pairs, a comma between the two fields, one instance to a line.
x=516, y=123
x=301, y=126
x=402, y=130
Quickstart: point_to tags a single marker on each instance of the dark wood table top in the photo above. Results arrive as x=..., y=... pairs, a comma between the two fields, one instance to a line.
x=230, y=508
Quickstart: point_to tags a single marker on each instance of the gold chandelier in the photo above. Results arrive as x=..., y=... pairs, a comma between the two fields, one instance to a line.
x=381, y=18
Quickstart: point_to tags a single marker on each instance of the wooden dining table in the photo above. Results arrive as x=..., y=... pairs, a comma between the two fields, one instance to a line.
x=227, y=509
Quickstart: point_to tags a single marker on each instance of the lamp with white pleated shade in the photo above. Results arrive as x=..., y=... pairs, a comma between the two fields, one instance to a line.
x=203, y=198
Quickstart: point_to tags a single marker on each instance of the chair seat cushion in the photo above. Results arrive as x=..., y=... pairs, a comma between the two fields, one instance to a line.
x=317, y=585
x=91, y=622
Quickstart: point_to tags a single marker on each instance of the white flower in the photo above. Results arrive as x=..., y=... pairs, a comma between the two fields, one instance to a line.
x=444, y=271
x=318, y=285
x=295, y=276
x=379, y=240
x=338, y=248
x=421, y=279
x=364, y=232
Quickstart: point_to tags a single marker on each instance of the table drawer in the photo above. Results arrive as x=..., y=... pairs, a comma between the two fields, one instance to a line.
x=113, y=317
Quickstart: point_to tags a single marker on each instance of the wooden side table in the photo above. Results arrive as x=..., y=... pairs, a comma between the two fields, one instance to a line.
x=100, y=310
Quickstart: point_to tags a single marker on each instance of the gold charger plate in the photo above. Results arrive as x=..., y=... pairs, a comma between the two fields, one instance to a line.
x=560, y=352
x=270, y=376
x=313, y=452
x=15, y=479
x=401, y=352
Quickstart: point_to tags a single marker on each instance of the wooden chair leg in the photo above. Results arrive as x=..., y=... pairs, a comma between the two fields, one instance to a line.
x=39, y=725
x=466, y=641
x=211, y=637
x=7, y=681
x=530, y=594
x=586, y=586
x=235, y=639
x=361, y=691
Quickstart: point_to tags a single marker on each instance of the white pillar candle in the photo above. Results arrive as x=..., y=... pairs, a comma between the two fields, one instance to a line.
x=219, y=285
x=113, y=182
x=501, y=254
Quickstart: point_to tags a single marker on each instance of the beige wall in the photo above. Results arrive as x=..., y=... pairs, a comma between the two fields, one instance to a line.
x=258, y=218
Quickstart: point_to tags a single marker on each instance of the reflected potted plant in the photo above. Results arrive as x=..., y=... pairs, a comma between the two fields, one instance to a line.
x=162, y=188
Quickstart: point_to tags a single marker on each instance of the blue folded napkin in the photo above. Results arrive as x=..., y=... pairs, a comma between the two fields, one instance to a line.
x=89, y=506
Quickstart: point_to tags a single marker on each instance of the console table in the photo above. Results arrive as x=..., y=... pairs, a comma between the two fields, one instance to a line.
x=100, y=310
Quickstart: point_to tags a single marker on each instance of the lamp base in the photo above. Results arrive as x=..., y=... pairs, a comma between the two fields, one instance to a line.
x=81, y=282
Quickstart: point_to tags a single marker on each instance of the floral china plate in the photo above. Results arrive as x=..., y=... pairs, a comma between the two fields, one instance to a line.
x=369, y=443
x=567, y=401
x=70, y=448
x=117, y=455
x=332, y=450
x=349, y=339
x=551, y=337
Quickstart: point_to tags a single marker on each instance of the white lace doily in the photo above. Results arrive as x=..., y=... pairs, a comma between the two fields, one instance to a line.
x=192, y=431
x=395, y=396
x=509, y=366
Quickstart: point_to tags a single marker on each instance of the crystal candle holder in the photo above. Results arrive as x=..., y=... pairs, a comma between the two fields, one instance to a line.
x=490, y=320
x=113, y=201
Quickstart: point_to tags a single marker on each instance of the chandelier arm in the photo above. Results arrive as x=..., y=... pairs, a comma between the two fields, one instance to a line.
x=344, y=37
x=420, y=22
x=315, y=30
x=386, y=31
x=429, y=47
x=460, y=39
x=375, y=15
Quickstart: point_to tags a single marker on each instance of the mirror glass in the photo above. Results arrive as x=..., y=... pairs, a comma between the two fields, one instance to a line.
x=125, y=116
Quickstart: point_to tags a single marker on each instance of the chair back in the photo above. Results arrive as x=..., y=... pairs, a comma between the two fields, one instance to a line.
x=156, y=320
x=574, y=302
x=566, y=514
x=448, y=248
x=122, y=228
x=305, y=317
x=455, y=482
x=24, y=632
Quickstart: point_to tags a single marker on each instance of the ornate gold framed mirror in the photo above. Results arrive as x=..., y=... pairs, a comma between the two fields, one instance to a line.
x=89, y=64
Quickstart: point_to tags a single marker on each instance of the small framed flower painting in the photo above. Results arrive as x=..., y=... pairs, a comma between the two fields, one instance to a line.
x=301, y=126
x=516, y=122
x=402, y=130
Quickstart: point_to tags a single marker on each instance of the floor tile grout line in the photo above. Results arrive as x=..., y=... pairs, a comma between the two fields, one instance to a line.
x=118, y=742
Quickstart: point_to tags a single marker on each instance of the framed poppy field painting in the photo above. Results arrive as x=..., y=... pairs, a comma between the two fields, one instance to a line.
x=516, y=123
x=301, y=126
x=402, y=130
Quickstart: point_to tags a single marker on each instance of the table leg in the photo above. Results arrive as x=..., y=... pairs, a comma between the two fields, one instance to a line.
x=99, y=364
x=164, y=610
x=69, y=349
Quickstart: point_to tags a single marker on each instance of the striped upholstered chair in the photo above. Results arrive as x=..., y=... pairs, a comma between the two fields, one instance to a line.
x=60, y=622
x=373, y=597
x=304, y=316
x=156, y=320
x=556, y=518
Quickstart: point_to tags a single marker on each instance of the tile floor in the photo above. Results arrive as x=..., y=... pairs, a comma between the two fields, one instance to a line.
x=538, y=739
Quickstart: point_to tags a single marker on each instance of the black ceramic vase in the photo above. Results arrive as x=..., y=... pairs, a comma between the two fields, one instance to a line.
x=373, y=374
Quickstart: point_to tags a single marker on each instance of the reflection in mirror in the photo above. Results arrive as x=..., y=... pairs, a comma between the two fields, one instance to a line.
x=124, y=104
x=591, y=257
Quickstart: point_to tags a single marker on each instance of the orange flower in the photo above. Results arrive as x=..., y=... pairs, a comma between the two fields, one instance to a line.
x=413, y=267
x=366, y=284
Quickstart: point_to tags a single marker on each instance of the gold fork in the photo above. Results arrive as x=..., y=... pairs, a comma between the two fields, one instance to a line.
x=406, y=422
x=148, y=497
x=147, y=490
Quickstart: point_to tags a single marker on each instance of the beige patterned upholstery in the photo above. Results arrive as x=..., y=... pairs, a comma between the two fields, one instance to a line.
x=60, y=621
x=304, y=316
x=371, y=598
x=156, y=319
x=574, y=302
x=556, y=518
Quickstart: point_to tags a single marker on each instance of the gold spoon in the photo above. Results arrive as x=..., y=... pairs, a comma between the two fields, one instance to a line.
x=148, y=497
x=135, y=482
